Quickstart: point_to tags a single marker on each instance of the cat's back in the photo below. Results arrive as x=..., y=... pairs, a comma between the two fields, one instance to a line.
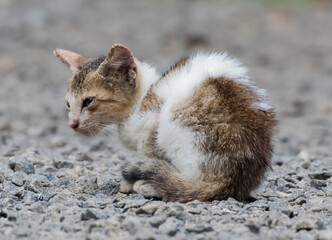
x=216, y=77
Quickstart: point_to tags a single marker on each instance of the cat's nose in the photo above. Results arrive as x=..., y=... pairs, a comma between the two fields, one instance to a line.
x=74, y=124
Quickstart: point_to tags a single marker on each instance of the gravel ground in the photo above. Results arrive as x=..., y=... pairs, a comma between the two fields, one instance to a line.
x=55, y=184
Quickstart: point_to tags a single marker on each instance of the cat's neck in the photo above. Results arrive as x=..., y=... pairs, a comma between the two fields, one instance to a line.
x=147, y=75
x=130, y=130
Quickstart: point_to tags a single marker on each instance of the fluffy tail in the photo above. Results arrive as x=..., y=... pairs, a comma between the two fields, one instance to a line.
x=171, y=186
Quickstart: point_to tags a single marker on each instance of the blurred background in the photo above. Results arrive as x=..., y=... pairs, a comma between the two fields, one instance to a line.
x=286, y=44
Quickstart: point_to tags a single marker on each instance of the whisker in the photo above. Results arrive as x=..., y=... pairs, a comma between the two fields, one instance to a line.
x=105, y=121
x=107, y=133
x=107, y=130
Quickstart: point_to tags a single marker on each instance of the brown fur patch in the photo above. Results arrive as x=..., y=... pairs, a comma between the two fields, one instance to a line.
x=77, y=80
x=235, y=136
x=151, y=148
x=151, y=102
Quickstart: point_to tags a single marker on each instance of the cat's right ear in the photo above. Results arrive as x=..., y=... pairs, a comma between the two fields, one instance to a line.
x=73, y=60
x=119, y=60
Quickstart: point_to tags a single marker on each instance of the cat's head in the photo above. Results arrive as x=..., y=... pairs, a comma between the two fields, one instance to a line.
x=101, y=91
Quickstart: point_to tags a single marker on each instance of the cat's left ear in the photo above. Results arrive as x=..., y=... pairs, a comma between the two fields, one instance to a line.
x=119, y=59
x=73, y=60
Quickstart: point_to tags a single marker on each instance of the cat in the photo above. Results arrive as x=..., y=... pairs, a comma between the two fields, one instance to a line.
x=202, y=130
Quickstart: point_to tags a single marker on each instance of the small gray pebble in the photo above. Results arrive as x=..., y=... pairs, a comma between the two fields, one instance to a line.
x=88, y=215
x=83, y=157
x=63, y=164
x=22, y=166
x=320, y=175
x=38, y=197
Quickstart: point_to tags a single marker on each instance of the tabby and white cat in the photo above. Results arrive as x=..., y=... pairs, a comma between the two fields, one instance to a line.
x=202, y=129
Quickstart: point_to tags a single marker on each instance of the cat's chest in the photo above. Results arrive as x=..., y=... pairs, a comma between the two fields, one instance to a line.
x=137, y=129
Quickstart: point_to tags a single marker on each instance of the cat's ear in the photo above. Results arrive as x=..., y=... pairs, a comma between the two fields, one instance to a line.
x=73, y=60
x=120, y=60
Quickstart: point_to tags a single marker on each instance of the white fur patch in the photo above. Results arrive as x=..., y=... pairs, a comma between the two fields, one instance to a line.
x=148, y=75
x=181, y=83
x=84, y=116
x=75, y=107
x=179, y=143
x=137, y=129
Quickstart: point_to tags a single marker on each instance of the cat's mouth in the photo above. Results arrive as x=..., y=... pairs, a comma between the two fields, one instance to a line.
x=88, y=132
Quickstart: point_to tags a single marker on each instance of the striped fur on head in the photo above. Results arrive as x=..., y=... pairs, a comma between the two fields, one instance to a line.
x=109, y=83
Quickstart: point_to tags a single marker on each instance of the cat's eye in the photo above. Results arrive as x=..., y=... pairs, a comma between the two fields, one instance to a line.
x=87, y=102
x=67, y=105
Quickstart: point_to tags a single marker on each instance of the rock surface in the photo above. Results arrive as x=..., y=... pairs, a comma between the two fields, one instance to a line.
x=55, y=184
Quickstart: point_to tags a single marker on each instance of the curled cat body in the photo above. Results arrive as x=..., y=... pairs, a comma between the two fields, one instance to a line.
x=202, y=130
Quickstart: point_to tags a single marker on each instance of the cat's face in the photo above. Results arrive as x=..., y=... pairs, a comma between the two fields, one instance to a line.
x=101, y=91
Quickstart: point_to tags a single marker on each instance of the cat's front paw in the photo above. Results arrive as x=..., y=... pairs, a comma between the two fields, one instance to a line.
x=139, y=174
x=143, y=187
x=134, y=171
x=126, y=186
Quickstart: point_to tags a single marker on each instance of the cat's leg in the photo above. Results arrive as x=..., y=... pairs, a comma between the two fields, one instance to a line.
x=161, y=179
x=134, y=173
